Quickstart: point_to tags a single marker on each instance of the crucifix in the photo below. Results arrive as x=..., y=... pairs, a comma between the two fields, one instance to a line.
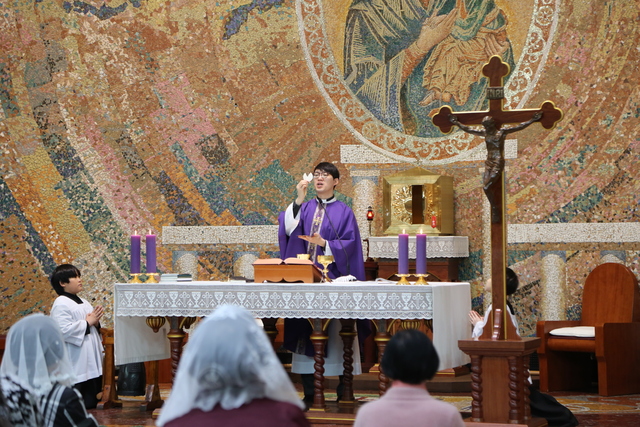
x=493, y=180
x=500, y=358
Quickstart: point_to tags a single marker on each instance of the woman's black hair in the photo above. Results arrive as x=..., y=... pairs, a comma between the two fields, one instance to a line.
x=512, y=282
x=410, y=357
x=62, y=274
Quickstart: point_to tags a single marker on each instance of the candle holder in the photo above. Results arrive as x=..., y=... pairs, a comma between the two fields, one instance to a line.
x=370, y=217
x=135, y=278
x=152, y=278
x=421, y=279
x=403, y=279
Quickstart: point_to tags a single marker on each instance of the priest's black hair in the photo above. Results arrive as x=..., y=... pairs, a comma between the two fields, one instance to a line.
x=329, y=168
x=410, y=357
x=62, y=274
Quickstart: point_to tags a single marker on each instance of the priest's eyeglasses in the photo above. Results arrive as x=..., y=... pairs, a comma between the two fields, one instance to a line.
x=317, y=175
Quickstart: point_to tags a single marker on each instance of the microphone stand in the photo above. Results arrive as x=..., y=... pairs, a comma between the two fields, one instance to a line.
x=346, y=256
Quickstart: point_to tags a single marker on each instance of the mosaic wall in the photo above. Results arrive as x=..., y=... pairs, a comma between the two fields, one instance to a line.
x=134, y=115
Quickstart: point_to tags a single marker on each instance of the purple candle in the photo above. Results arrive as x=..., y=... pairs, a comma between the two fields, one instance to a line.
x=403, y=253
x=151, y=252
x=135, y=253
x=421, y=253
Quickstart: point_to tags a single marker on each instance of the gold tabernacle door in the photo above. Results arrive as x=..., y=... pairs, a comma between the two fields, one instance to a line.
x=416, y=200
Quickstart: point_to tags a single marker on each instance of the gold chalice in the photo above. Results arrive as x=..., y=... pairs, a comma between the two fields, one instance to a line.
x=325, y=260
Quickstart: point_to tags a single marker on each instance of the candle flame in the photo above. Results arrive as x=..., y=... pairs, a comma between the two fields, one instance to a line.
x=420, y=231
x=403, y=232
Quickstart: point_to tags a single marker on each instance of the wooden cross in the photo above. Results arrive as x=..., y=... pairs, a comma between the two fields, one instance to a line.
x=500, y=326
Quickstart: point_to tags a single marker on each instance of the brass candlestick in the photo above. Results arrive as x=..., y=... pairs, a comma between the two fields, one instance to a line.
x=403, y=279
x=135, y=278
x=325, y=260
x=152, y=278
x=421, y=279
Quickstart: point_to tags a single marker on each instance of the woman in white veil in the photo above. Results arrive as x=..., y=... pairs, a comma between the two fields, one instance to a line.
x=230, y=375
x=36, y=359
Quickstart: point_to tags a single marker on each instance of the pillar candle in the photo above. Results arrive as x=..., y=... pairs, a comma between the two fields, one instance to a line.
x=403, y=253
x=151, y=252
x=135, y=253
x=421, y=253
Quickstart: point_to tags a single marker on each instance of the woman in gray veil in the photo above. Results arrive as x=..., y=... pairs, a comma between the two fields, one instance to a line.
x=36, y=363
x=229, y=375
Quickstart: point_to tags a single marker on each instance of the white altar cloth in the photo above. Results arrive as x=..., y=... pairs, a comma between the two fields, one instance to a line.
x=448, y=304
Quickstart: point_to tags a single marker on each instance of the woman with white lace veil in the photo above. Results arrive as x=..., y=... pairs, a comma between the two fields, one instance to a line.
x=36, y=359
x=229, y=375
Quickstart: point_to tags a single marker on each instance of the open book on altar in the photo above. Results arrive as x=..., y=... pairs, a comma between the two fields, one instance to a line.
x=277, y=261
x=289, y=270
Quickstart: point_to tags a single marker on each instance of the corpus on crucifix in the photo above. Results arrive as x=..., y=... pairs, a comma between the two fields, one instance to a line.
x=494, y=137
x=494, y=133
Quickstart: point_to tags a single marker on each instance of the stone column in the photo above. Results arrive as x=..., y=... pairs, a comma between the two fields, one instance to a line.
x=243, y=266
x=365, y=186
x=186, y=262
x=553, y=283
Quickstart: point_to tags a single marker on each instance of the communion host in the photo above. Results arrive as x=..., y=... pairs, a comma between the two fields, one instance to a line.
x=322, y=225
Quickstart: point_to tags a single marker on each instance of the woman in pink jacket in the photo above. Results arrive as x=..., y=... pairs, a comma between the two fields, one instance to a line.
x=410, y=359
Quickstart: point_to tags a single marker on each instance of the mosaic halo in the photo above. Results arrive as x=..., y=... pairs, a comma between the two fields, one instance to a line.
x=370, y=131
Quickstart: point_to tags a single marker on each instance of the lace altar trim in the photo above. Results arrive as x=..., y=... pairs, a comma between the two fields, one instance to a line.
x=356, y=300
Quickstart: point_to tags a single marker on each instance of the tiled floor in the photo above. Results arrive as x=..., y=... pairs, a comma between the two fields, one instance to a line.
x=590, y=409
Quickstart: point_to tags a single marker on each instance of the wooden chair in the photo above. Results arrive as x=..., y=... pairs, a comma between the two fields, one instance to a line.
x=610, y=304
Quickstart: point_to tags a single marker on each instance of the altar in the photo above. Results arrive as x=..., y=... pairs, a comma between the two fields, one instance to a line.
x=447, y=304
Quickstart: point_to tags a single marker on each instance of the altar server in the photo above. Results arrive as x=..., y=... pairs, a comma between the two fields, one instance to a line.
x=79, y=323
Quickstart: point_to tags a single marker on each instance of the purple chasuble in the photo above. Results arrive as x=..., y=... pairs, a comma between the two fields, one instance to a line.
x=340, y=229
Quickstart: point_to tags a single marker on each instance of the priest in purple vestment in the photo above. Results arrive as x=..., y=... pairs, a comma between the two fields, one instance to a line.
x=321, y=226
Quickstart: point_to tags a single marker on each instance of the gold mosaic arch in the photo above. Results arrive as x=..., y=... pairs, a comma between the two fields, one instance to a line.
x=327, y=74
